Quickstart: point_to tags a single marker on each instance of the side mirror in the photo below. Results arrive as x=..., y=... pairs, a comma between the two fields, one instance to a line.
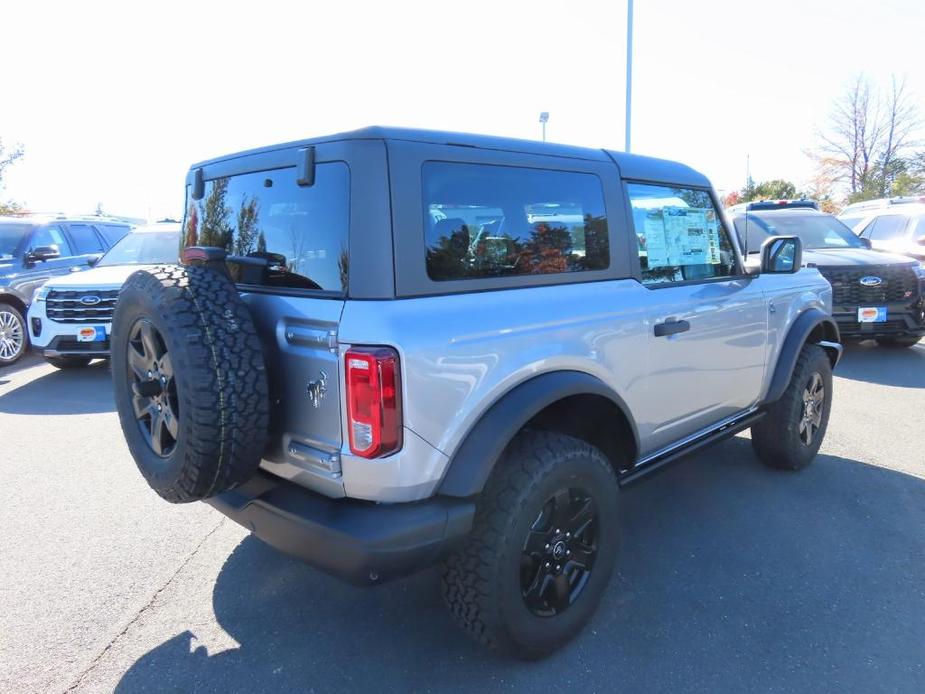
x=865, y=242
x=93, y=260
x=781, y=255
x=43, y=253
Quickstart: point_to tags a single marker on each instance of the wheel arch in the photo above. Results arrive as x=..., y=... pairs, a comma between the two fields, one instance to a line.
x=813, y=327
x=14, y=301
x=570, y=402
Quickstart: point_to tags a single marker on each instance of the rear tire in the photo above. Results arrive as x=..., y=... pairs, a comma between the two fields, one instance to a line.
x=14, y=338
x=789, y=436
x=68, y=362
x=527, y=581
x=898, y=342
x=190, y=381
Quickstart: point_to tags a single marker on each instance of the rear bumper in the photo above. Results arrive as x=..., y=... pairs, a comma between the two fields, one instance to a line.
x=359, y=541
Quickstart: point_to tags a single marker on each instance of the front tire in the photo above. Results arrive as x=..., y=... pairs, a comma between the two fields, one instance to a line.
x=542, y=548
x=789, y=436
x=14, y=339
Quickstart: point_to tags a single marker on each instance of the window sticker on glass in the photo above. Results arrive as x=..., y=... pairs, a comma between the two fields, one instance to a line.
x=680, y=235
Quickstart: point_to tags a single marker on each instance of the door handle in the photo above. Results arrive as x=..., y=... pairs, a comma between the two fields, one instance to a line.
x=671, y=327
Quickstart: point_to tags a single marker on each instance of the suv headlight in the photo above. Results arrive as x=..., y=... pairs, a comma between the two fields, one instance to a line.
x=42, y=293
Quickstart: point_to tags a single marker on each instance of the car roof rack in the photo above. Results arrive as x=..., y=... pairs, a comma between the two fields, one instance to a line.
x=783, y=204
x=880, y=203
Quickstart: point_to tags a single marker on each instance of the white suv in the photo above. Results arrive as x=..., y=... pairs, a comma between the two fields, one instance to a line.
x=890, y=224
x=69, y=319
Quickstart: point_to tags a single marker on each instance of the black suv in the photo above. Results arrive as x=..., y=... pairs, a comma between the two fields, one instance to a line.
x=876, y=295
x=34, y=249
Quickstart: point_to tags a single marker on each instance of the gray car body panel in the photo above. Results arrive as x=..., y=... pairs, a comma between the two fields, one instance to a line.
x=465, y=345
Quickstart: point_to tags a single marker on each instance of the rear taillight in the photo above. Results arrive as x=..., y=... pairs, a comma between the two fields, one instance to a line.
x=373, y=401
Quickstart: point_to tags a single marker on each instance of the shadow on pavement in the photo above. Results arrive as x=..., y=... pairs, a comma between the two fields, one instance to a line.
x=733, y=577
x=29, y=360
x=72, y=391
x=867, y=361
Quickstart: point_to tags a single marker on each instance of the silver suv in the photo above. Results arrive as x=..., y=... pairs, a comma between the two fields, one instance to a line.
x=388, y=349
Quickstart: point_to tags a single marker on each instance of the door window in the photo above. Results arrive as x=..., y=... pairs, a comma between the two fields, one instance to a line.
x=887, y=228
x=85, y=239
x=681, y=237
x=51, y=235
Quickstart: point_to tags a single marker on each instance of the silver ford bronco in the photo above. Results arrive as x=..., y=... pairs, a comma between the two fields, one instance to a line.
x=387, y=349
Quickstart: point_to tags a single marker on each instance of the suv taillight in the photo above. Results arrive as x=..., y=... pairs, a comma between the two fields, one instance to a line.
x=373, y=401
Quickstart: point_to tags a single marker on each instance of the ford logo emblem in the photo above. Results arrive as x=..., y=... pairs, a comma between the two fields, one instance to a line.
x=871, y=281
x=94, y=300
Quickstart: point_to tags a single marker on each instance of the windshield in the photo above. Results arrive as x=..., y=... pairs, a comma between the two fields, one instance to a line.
x=815, y=231
x=11, y=235
x=145, y=248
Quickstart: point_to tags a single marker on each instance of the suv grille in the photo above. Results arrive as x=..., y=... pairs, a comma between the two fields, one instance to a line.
x=898, y=285
x=79, y=306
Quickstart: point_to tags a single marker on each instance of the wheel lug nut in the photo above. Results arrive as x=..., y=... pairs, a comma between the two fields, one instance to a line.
x=150, y=374
x=159, y=408
x=547, y=565
x=558, y=531
x=547, y=546
x=568, y=552
x=557, y=567
x=568, y=535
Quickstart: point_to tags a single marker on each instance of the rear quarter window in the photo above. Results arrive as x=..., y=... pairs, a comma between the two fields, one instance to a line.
x=275, y=232
x=113, y=233
x=499, y=221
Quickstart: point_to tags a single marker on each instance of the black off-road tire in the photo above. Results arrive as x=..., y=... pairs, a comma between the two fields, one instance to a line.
x=218, y=381
x=69, y=362
x=776, y=438
x=898, y=342
x=482, y=581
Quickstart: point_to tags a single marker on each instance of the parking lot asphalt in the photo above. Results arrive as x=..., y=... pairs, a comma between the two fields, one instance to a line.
x=732, y=577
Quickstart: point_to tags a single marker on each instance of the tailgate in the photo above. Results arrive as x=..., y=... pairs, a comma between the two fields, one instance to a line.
x=299, y=337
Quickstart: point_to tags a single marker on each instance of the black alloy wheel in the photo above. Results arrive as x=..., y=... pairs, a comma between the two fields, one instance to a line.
x=559, y=552
x=154, y=392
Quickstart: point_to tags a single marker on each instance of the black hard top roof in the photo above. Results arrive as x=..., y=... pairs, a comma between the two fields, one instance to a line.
x=631, y=166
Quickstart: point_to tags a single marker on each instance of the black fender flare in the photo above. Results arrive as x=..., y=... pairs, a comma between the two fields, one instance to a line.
x=484, y=443
x=799, y=333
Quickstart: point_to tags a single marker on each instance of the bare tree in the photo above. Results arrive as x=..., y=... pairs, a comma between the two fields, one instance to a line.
x=8, y=156
x=864, y=144
x=853, y=135
x=901, y=122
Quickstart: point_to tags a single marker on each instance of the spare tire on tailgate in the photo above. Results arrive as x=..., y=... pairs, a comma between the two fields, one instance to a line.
x=190, y=381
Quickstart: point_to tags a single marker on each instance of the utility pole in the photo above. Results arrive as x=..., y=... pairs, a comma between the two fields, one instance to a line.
x=629, y=71
x=544, y=118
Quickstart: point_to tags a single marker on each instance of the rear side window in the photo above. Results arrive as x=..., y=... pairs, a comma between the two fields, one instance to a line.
x=85, y=239
x=887, y=228
x=498, y=221
x=112, y=232
x=275, y=232
x=680, y=235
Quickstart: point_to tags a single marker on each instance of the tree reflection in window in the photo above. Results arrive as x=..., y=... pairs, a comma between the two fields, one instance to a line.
x=299, y=232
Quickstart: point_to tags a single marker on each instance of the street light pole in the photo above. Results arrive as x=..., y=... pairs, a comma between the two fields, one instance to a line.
x=544, y=117
x=629, y=71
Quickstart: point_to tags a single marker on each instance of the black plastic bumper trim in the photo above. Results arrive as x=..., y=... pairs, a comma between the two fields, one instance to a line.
x=359, y=541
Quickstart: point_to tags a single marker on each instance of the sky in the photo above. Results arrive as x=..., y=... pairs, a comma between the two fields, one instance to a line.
x=113, y=103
